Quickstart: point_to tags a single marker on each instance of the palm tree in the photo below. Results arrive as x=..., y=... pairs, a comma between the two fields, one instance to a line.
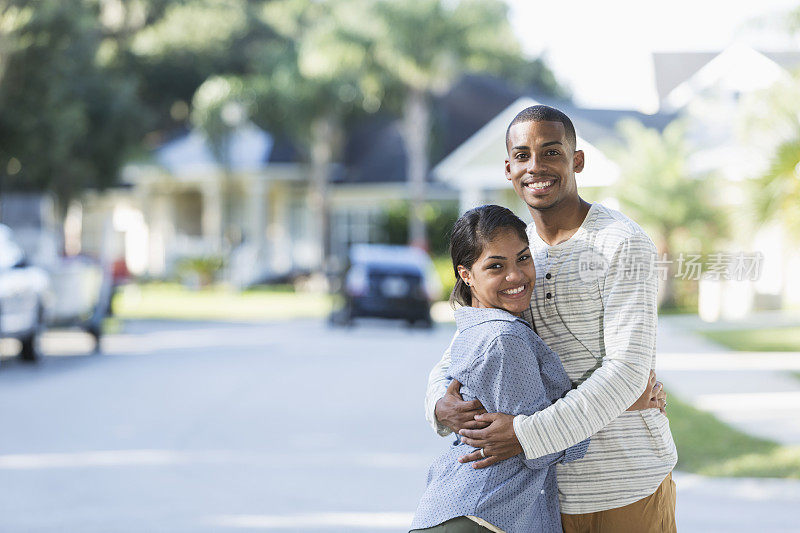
x=771, y=121
x=424, y=48
x=218, y=109
x=778, y=190
x=657, y=190
x=311, y=87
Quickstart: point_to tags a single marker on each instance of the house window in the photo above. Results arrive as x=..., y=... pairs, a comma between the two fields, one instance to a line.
x=354, y=226
x=189, y=213
x=298, y=215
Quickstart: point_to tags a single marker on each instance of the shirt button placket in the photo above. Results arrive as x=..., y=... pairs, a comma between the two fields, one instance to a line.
x=549, y=285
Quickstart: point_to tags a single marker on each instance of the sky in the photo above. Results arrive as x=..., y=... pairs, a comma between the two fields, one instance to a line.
x=602, y=49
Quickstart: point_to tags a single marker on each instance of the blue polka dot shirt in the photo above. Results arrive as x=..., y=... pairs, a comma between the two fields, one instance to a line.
x=499, y=360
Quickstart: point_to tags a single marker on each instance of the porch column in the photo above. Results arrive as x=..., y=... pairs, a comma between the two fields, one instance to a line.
x=157, y=216
x=212, y=214
x=256, y=231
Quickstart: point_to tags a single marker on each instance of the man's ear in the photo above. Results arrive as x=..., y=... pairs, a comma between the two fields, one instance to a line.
x=577, y=161
x=508, y=170
x=463, y=272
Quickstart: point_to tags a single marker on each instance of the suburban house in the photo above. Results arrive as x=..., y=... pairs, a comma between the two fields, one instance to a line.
x=174, y=205
x=723, y=99
x=183, y=203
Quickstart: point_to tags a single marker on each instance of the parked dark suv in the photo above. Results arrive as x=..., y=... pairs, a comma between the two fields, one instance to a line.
x=388, y=281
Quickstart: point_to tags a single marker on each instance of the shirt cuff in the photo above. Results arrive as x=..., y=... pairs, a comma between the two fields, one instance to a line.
x=518, y=431
x=573, y=453
x=441, y=430
x=529, y=437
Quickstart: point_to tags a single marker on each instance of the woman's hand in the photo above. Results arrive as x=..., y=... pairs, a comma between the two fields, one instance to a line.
x=452, y=411
x=653, y=396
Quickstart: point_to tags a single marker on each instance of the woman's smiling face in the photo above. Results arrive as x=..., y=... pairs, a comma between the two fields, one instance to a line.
x=503, y=276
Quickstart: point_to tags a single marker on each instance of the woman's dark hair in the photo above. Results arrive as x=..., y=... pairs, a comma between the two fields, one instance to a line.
x=470, y=233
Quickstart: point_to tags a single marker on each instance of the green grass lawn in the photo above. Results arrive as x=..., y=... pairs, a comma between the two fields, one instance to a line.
x=785, y=339
x=173, y=301
x=710, y=447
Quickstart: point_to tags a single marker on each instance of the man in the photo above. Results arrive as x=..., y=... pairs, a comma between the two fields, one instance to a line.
x=594, y=304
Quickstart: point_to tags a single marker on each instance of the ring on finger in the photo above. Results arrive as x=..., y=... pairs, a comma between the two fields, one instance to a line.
x=483, y=454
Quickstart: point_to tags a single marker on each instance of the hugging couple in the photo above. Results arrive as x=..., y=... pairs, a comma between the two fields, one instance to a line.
x=548, y=383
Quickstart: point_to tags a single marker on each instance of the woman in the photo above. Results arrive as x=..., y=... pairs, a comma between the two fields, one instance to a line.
x=500, y=361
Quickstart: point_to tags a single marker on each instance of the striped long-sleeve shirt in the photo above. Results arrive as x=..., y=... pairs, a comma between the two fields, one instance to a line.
x=594, y=304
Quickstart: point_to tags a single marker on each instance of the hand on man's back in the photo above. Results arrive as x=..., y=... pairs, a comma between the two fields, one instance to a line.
x=497, y=442
x=452, y=411
x=653, y=396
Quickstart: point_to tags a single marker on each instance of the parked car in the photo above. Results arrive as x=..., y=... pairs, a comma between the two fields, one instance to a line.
x=23, y=296
x=80, y=295
x=388, y=281
x=60, y=292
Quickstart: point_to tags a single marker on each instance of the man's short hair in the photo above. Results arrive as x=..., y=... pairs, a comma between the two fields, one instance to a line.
x=544, y=113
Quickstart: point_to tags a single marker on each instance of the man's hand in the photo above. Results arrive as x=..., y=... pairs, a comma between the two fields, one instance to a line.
x=653, y=396
x=452, y=411
x=498, y=441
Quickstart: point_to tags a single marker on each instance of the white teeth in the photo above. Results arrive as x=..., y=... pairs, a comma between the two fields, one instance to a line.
x=540, y=184
x=514, y=291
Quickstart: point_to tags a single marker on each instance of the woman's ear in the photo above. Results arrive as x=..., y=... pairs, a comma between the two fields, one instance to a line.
x=463, y=272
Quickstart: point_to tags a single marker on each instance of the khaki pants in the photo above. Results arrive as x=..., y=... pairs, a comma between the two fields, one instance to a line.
x=654, y=514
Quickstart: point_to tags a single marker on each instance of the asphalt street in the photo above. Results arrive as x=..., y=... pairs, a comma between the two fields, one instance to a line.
x=253, y=427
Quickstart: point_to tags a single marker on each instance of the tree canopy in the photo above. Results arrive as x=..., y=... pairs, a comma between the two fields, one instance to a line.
x=63, y=114
x=86, y=84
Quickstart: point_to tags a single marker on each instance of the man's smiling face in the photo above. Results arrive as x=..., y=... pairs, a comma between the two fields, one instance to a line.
x=542, y=163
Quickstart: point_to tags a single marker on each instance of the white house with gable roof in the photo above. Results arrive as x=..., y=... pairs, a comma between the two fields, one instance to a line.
x=714, y=94
x=176, y=203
